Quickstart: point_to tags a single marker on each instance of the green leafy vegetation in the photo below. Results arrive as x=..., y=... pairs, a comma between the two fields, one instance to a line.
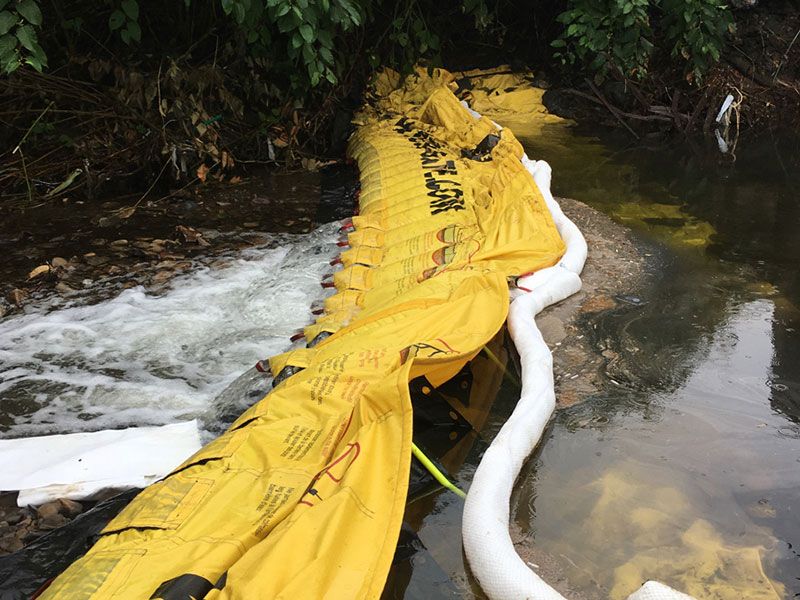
x=114, y=83
x=187, y=88
x=19, y=42
x=303, y=40
x=302, y=37
x=124, y=19
x=696, y=30
x=602, y=36
x=607, y=35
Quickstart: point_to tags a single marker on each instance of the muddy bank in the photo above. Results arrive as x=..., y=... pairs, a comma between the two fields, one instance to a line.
x=614, y=271
x=759, y=68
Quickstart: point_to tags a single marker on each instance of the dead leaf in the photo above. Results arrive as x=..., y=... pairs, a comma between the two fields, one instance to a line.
x=38, y=271
x=202, y=172
x=190, y=234
x=235, y=179
x=162, y=276
x=126, y=213
x=17, y=296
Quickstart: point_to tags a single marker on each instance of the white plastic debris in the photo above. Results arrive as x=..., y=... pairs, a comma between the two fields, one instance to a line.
x=726, y=105
x=80, y=466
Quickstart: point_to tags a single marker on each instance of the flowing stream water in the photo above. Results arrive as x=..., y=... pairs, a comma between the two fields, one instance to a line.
x=686, y=468
x=141, y=358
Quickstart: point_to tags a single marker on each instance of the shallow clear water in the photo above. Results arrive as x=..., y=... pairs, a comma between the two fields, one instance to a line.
x=686, y=468
x=690, y=482
x=688, y=471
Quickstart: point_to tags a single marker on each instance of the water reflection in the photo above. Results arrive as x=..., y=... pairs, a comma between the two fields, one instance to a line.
x=691, y=473
x=658, y=494
x=785, y=381
x=687, y=466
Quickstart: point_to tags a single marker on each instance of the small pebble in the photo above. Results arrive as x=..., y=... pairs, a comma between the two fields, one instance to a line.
x=49, y=509
x=52, y=522
x=70, y=508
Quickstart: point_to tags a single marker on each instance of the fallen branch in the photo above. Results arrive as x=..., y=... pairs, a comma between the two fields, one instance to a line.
x=614, y=111
x=628, y=115
x=698, y=107
x=668, y=114
x=28, y=132
x=785, y=56
x=675, y=113
x=749, y=71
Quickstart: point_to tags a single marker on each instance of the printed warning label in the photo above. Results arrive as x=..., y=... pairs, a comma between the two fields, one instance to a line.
x=274, y=498
x=353, y=388
x=322, y=387
x=299, y=441
x=371, y=358
x=335, y=364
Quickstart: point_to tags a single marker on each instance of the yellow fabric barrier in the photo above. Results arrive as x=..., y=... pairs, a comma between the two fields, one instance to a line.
x=303, y=496
x=511, y=99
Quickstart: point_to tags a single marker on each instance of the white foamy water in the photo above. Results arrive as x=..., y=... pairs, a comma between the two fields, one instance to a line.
x=154, y=359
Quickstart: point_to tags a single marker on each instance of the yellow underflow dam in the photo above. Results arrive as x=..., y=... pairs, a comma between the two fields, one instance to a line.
x=304, y=495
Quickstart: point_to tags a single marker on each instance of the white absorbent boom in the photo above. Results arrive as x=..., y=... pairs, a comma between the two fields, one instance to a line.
x=502, y=574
